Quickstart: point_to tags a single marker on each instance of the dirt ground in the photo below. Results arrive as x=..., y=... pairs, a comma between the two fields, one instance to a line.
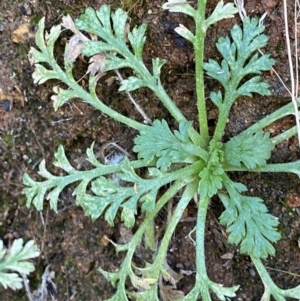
x=30, y=130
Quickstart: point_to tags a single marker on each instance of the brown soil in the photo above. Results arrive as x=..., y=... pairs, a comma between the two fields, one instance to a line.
x=30, y=130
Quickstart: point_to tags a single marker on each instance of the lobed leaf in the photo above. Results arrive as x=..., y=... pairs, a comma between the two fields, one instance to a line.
x=91, y=156
x=185, y=33
x=221, y=12
x=132, y=83
x=51, y=38
x=150, y=294
x=35, y=191
x=211, y=176
x=249, y=223
x=112, y=29
x=216, y=98
x=41, y=74
x=157, y=141
x=253, y=85
x=157, y=64
x=137, y=39
x=62, y=96
x=211, y=181
x=36, y=56
x=238, y=60
x=119, y=19
x=223, y=292
x=252, y=150
x=124, y=189
x=220, y=73
x=180, y=6
x=16, y=259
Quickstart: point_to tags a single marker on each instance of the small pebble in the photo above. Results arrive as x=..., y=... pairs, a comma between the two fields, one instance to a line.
x=23, y=10
x=6, y=105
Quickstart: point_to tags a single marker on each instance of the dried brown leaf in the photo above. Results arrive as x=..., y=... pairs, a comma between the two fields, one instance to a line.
x=168, y=293
x=68, y=23
x=172, y=277
x=228, y=255
x=97, y=64
x=22, y=34
x=110, y=80
x=75, y=44
x=74, y=48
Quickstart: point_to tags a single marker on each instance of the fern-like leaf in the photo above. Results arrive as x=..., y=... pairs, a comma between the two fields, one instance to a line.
x=16, y=259
x=248, y=223
x=157, y=141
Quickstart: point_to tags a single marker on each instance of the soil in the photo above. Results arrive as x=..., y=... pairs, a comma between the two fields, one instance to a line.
x=30, y=130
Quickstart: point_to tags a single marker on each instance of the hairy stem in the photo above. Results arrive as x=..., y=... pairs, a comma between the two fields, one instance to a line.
x=199, y=50
x=201, y=275
x=286, y=110
x=285, y=135
x=177, y=114
x=271, y=289
x=132, y=245
x=177, y=215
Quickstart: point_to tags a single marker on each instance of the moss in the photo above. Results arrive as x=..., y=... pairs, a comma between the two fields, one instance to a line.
x=130, y=5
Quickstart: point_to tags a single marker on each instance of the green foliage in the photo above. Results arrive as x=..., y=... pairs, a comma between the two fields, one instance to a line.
x=252, y=150
x=184, y=162
x=240, y=61
x=211, y=175
x=16, y=259
x=248, y=223
x=159, y=142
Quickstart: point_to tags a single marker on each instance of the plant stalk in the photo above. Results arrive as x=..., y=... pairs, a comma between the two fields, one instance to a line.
x=286, y=110
x=271, y=289
x=132, y=245
x=177, y=215
x=201, y=273
x=199, y=51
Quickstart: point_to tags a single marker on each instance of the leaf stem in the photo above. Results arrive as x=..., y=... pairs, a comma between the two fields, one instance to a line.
x=201, y=275
x=132, y=245
x=285, y=135
x=291, y=167
x=177, y=114
x=93, y=100
x=187, y=195
x=271, y=289
x=199, y=50
x=286, y=110
x=202, y=283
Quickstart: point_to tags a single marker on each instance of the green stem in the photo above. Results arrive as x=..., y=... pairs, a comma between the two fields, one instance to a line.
x=224, y=111
x=202, y=283
x=201, y=273
x=177, y=114
x=94, y=100
x=271, y=289
x=286, y=110
x=179, y=184
x=199, y=51
x=221, y=124
x=285, y=135
x=187, y=195
x=291, y=167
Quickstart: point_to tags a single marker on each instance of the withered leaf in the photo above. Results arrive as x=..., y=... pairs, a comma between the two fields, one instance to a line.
x=68, y=23
x=168, y=293
x=172, y=277
x=97, y=63
x=75, y=44
x=73, y=48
